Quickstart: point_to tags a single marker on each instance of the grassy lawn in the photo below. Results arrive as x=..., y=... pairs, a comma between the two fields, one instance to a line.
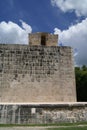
x=59, y=126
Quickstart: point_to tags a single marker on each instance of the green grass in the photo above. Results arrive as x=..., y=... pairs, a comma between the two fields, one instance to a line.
x=70, y=125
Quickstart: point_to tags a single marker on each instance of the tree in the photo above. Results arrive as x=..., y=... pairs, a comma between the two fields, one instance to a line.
x=81, y=83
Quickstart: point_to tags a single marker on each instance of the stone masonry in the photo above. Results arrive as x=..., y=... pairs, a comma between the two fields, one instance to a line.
x=43, y=113
x=46, y=39
x=38, y=72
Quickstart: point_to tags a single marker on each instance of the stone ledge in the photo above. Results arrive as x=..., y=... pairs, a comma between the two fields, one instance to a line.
x=42, y=113
x=53, y=105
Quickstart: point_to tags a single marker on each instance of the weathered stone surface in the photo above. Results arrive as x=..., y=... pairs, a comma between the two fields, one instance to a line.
x=42, y=73
x=43, y=39
x=36, y=74
x=43, y=113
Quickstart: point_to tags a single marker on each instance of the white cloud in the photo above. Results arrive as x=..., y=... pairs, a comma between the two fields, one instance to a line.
x=26, y=26
x=12, y=33
x=75, y=36
x=79, y=6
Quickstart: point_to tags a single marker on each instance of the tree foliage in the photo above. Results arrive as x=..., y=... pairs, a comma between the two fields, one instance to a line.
x=81, y=83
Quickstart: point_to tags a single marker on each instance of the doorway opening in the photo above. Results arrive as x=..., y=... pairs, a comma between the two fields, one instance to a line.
x=43, y=40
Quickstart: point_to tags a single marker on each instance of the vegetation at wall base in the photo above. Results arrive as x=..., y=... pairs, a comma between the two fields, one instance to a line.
x=81, y=83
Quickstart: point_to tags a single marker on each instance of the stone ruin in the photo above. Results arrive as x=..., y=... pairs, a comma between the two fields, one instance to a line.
x=39, y=72
x=37, y=83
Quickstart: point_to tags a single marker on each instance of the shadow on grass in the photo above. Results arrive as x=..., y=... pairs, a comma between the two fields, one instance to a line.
x=69, y=128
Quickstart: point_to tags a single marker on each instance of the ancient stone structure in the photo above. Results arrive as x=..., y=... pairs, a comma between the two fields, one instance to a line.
x=43, y=113
x=35, y=79
x=41, y=39
x=38, y=72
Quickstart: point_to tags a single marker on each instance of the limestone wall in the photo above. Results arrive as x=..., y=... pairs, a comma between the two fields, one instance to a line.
x=36, y=39
x=36, y=74
x=42, y=113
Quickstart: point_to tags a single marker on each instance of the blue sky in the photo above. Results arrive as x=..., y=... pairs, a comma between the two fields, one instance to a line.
x=40, y=14
x=67, y=18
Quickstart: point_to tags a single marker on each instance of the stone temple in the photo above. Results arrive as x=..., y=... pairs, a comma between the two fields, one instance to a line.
x=37, y=83
x=39, y=72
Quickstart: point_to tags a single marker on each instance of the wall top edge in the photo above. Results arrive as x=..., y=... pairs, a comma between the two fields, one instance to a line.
x=59, y=104
x=26, y=45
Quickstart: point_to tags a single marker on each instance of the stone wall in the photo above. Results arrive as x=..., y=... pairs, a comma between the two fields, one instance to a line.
x=36, y=74
x=42, y=113
x=39, y=38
